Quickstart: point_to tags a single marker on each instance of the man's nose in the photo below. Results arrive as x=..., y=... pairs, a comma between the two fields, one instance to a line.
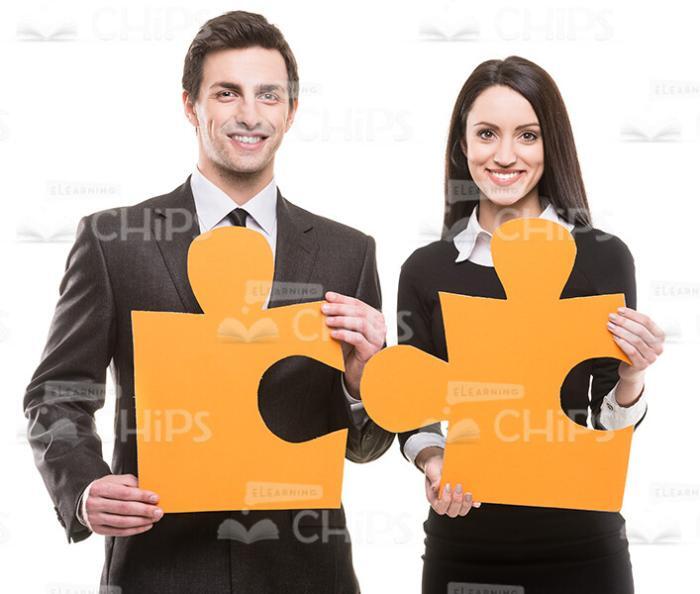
x=247, y=114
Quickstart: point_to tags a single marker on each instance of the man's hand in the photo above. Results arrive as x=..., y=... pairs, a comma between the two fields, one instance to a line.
x=453, y=502
x=361, y=329
x=117, y=507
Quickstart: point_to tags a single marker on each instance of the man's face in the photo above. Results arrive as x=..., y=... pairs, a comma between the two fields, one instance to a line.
x=242, y=111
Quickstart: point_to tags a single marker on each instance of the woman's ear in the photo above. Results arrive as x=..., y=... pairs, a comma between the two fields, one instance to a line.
x=463, y=146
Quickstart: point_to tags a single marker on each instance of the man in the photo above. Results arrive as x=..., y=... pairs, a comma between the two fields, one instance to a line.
x=239, y=92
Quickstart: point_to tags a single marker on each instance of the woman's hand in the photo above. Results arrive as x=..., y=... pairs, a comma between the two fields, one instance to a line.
x=453, y=502
x=642, y=340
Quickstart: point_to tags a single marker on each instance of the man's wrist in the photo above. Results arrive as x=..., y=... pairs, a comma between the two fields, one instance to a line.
x=352, y=387
x=426, y=454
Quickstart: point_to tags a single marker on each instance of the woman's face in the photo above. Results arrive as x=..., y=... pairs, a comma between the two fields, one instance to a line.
x=503, y=145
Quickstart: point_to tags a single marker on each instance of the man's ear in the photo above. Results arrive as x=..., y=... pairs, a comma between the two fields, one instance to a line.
x=189, y=109
x=292, y=113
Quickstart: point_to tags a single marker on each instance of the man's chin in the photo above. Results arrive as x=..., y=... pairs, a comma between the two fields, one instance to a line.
x=243, y=168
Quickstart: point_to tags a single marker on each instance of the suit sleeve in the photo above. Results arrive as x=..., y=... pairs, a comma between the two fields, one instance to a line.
x=368, y=441
x=414, y=328
x=68, y=386
x=618, y=276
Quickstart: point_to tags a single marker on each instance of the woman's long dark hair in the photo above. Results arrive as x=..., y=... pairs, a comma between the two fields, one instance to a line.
x=561, y=180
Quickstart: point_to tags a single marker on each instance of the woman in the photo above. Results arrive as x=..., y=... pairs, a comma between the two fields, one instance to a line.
x=510, y=154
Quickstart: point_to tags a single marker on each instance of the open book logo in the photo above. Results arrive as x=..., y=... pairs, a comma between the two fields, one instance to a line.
x=233, y=330
x=449, y=22
x=42, y=230
x=33, y=31
x=661, y=132
x=659, y=531
x=61, y=430
x=264, y=529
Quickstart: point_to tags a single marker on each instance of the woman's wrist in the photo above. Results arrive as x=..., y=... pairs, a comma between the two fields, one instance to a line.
x=628, y=392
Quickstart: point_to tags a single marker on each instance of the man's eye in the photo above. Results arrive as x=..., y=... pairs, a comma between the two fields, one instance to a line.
x=269, y=97
x=225, y=93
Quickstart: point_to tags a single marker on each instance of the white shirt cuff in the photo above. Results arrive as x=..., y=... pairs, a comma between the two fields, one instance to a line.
x=421, y=440
x=613, y=416
x=82, y=508
x=357, y=408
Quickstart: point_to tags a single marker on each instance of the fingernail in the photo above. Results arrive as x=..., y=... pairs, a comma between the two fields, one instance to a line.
x=611, y=325
x=153, y=498
x=613, y=316
x=324, y=308
x=621, y=309
x=158, y=513
x=477, y=504
x=447, y=488
x=459, y=488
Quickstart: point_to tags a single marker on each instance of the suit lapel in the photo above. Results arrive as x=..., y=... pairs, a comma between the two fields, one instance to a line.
x=295, y=252
x=175, y=226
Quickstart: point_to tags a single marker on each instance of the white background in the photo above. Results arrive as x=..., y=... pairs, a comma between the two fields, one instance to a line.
x=91, y=117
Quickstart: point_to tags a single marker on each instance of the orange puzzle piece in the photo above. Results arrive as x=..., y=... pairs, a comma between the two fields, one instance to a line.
x=202, y=442
x=508, y=441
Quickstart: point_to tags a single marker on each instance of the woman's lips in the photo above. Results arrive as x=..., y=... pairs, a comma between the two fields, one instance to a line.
x=505, y=177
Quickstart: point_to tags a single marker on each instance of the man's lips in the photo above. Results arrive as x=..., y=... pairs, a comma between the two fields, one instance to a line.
x=505, y=177
x=248, y=142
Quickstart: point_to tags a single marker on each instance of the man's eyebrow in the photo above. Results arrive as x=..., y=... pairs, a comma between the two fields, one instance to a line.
x=226, y=85
x=262, y=88
x=266, y=88
x=531, y=125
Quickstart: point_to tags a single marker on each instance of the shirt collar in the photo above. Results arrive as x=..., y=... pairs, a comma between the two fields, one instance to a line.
x=213, y=204
x=466, y=239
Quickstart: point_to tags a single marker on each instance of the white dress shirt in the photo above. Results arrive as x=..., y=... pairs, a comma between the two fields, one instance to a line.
x=474, y=243
x=213, y=205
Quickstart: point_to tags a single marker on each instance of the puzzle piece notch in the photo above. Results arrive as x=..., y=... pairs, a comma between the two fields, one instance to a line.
x=211, y=364
x=404, y=388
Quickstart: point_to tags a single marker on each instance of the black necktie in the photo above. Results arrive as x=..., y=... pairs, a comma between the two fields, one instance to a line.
x=238, y=217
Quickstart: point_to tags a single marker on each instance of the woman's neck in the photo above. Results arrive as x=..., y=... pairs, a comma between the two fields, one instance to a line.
x=491, y=215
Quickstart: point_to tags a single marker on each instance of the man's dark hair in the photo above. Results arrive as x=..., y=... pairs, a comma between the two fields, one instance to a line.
x=236, y=30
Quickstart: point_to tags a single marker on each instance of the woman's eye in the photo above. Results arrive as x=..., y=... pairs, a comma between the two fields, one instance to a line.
x=530, y=136
x=483, y=133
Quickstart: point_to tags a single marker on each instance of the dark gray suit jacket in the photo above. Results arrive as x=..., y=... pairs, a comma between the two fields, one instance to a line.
x=134, y=258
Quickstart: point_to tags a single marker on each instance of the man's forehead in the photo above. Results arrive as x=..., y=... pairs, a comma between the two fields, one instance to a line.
x=249, y=66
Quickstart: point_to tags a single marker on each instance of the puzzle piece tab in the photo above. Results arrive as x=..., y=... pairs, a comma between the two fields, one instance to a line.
x=202, y=442
x=508, y=441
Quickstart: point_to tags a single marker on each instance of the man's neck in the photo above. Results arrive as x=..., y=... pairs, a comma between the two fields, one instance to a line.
x=240, y=187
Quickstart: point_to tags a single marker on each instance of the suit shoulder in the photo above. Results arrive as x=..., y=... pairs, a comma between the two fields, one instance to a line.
x=332, y=233
x=338, y=230
x=132, y=216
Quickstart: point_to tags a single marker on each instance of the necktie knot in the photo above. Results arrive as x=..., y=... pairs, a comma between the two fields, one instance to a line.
x=238, y=217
